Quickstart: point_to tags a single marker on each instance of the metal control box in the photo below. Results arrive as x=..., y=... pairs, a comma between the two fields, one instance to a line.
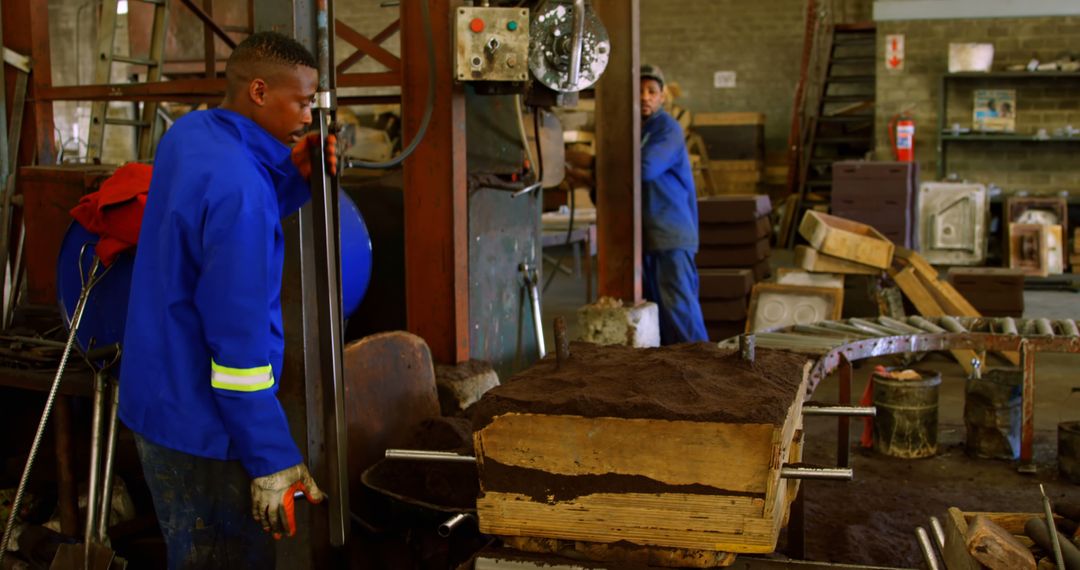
x=492, y=44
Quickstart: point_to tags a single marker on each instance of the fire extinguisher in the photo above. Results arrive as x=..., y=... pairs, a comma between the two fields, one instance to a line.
x=902, y=137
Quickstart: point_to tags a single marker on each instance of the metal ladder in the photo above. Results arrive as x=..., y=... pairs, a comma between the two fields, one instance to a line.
x=102, y=73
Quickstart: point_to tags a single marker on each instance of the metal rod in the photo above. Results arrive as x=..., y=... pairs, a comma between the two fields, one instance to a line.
x=110, y=462
x=939, y=533
x=421, y=455
x=843, y=423
x=1008, y=325
x=93, y=487
x=562, y=343
x=576, y=45
x=816, y=473
x=528, y=273
x=927, y=549
x=1051, y=529
x=50, y=401
x=1043, y=327
x=1027, y=408
x=747, y=344
x=1068, y=328
x=850, y=411
x=447, y=528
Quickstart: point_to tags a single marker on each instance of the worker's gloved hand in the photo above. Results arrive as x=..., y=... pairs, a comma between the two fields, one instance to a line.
x=301, y=153
x=272, y=502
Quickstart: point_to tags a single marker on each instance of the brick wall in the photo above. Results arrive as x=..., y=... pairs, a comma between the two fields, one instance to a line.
x=1041, y=102
x=761, y=41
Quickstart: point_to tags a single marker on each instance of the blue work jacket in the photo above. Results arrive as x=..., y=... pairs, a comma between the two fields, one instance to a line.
x=668, y=198
x=203, y=345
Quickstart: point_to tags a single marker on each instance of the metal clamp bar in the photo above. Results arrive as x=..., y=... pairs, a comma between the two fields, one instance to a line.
x=852, y=411
x=447, y=528
x=325, y=100
x=816, y=473
x=422, y=455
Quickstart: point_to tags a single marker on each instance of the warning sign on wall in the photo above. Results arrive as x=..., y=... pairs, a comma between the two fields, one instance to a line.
x=894, y=51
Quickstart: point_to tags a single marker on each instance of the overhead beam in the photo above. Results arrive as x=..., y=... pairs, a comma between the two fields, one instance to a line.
x=618, y=155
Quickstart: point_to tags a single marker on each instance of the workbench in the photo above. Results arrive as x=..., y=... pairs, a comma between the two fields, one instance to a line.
x=584, y=235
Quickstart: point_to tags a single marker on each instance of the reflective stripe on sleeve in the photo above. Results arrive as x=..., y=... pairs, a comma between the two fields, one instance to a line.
x=241, y=379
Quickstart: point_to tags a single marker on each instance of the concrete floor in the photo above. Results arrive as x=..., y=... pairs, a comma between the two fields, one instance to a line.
x=920, y=488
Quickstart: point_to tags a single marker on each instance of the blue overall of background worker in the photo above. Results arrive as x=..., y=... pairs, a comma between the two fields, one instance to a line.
x=204, y=343
x=669, y=218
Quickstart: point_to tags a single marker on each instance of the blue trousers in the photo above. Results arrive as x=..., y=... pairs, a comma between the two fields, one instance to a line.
x=204, y=509
x=670, y=280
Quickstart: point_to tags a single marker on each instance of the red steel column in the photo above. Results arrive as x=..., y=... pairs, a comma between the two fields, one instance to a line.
x=436, y=205
x=618, y=155
x=26, y=30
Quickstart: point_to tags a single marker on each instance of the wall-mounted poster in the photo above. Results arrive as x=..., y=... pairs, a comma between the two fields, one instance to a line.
x=995, y=110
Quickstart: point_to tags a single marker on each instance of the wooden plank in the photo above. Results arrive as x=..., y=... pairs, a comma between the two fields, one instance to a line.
x=622, y=553
x=813, y=260
x=994, y=547
x=684, y=453
x=728, y=119
x=618, y=157
x=955, y=552
x=1011, y=522
x=846, y=239
x=927, y=306
x=436, y=197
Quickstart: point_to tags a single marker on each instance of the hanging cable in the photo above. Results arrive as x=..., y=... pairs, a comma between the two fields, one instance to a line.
x=425, y=13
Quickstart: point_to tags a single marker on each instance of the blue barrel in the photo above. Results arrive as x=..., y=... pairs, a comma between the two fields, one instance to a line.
x=106, y=309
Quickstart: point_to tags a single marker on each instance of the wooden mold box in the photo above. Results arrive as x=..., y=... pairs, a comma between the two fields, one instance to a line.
x=679, y=485
x=846, y=239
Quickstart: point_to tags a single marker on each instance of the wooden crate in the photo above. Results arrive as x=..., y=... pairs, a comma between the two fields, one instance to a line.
x=846, y=239
x=812, y=260
x=721, y=490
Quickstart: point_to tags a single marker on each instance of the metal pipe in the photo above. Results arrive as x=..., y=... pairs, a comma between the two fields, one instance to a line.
x=816, y=473
x=1043, y=327
x=422, y=455
x=927, y=549
x=110, y=463
x=1051, y=529
x=1008, y=325
x=899, y=325
x=576, y=45
x=747, y=344
x=96, y=435
x=562, y=343
x=447, y=528
x=925, y=325
x=850, y=411
x=939, y=533
x=1068, y=328
x=529, y=275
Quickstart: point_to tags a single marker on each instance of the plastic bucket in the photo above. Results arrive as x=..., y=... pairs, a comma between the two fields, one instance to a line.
x=992, y=409
x=907, y=415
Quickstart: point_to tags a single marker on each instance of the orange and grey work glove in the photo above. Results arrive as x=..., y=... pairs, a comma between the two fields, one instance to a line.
x=272, y=502
x=301, y=153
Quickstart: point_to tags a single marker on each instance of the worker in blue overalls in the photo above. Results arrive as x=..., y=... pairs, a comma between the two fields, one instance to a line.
x=669, y=217
x=204, y=343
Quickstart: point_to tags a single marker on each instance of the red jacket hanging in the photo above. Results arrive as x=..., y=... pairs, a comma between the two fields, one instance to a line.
x=115, y=211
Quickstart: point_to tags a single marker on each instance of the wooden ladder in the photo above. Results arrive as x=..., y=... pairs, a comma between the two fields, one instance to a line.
x=106, y=48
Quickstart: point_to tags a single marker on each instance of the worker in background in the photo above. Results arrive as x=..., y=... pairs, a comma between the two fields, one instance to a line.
x=669, y=217
x=204, y=343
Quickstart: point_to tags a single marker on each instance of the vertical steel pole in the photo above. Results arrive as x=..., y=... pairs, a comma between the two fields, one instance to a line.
x=328, y=285
x=1027, y=430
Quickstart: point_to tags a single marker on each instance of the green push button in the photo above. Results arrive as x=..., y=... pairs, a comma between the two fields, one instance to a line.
x=512, y=26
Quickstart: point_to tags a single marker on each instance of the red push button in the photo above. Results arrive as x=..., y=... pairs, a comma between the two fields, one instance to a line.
x=476, y=25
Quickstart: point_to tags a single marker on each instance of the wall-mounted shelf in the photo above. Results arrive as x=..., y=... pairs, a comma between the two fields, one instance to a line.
x=946, y=136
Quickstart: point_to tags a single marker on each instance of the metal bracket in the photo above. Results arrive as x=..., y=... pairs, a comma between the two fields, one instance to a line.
x=325, y=100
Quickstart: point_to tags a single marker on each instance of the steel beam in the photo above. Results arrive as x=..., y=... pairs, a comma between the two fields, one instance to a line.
x=618, y=156
x=436, y=200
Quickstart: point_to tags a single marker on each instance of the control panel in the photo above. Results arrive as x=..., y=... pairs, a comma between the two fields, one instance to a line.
x=492, y=44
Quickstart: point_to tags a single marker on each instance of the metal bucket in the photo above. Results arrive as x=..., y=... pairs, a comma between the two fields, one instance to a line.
x=1069, y=450
x=907, y=415
x=992, y=414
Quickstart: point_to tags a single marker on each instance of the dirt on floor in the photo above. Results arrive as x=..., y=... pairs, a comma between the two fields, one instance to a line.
x=872, y=519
